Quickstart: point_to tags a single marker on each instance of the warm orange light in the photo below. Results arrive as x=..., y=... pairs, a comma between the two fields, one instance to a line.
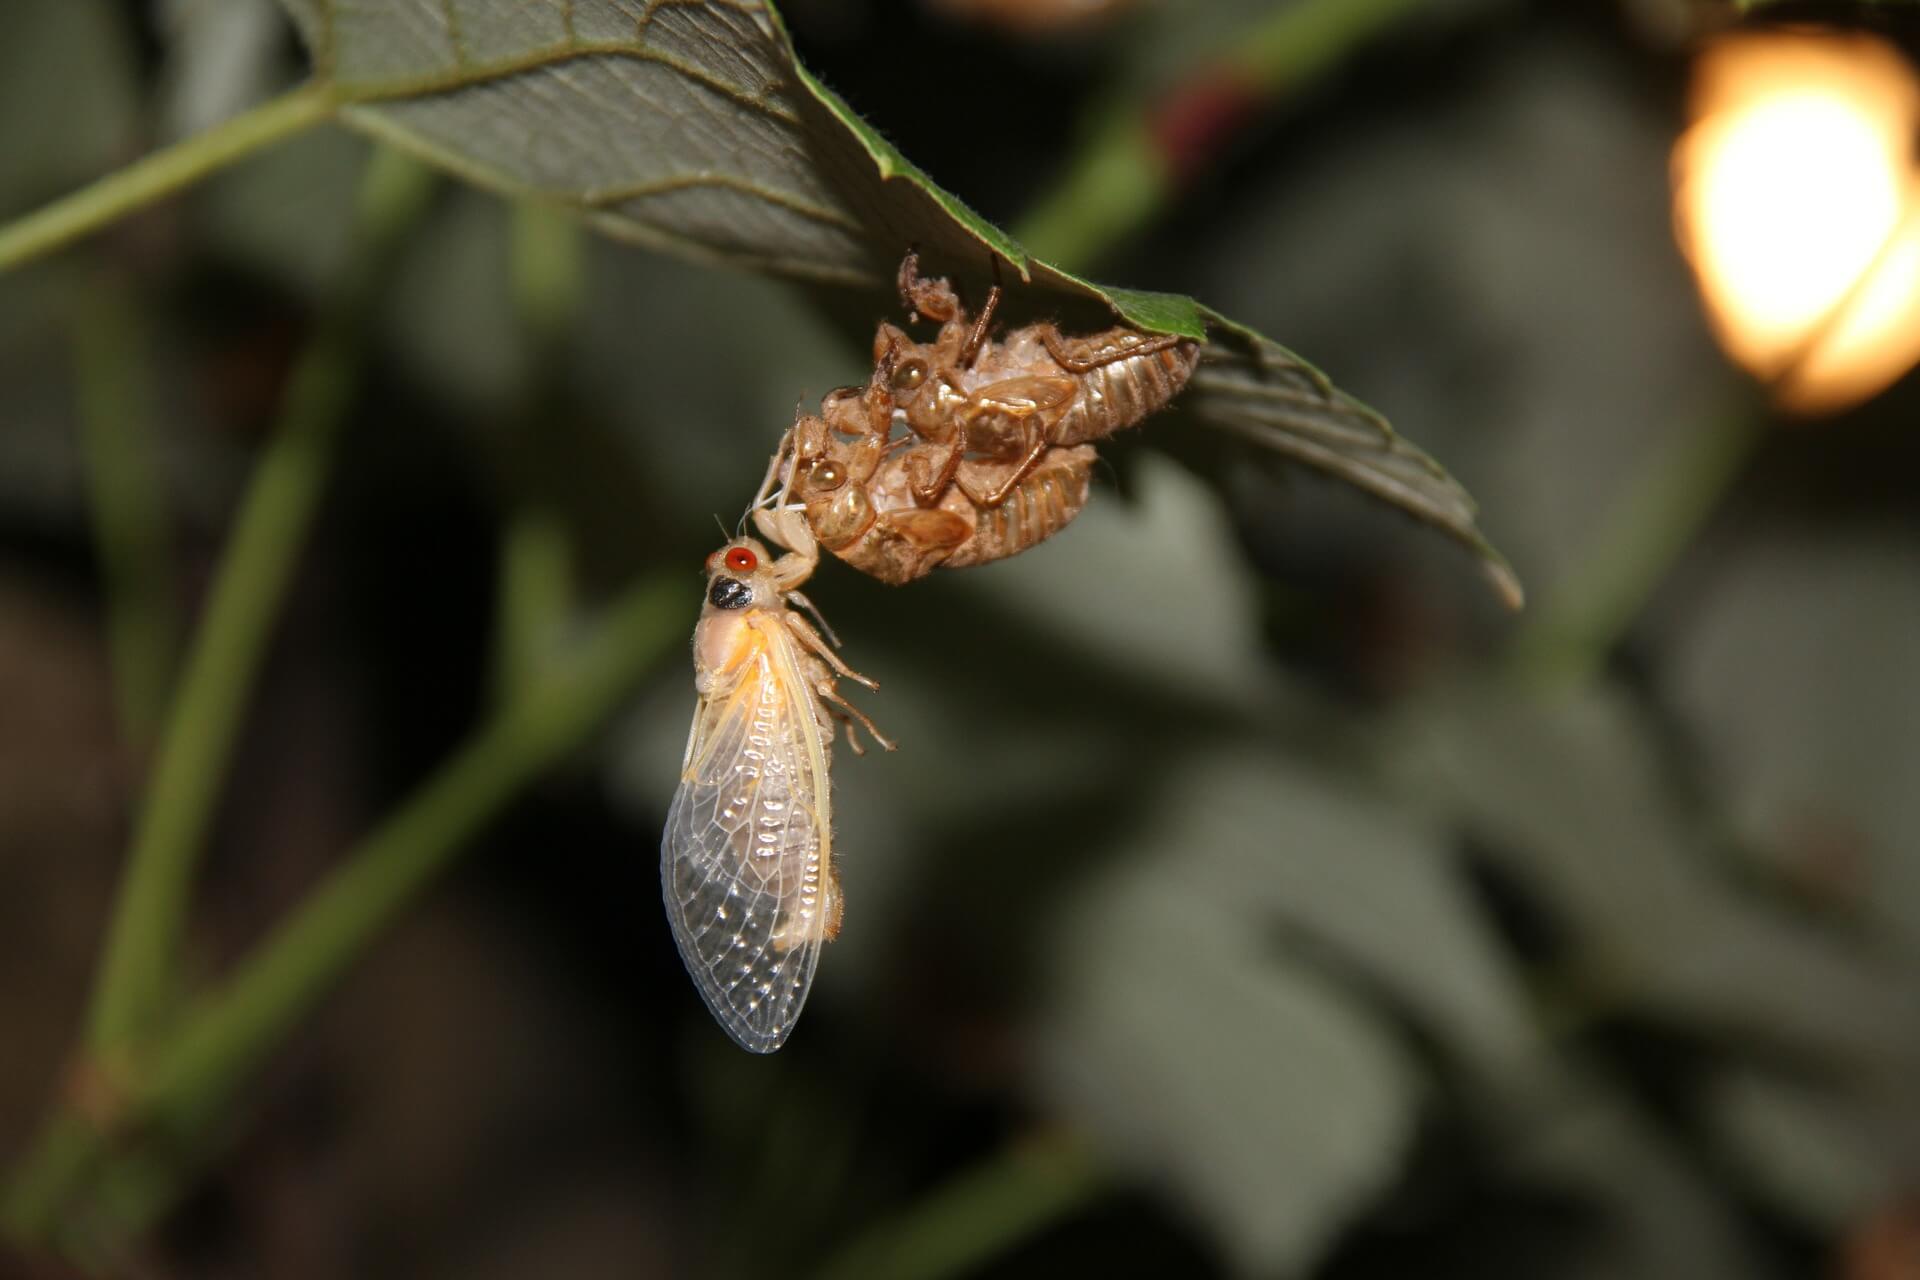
x=1797, y=202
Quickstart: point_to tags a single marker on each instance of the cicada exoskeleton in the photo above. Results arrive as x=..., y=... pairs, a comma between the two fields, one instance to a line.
x=857, y=496
x=988, y=409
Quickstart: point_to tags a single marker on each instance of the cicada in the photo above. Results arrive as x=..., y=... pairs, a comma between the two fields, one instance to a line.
x=746, y=863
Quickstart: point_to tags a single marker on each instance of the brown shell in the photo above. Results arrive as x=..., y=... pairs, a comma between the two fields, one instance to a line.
x=1113, y=390
x=967, y=384
x=1043, y=504
x=981, y=411
x=906, y=541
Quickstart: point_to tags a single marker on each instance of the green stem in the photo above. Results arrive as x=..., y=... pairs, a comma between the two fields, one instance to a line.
x=548, y=270
x=1117, y=183
x=67, y=1152
x=536, y=556
x=142, y=941
x=977, y=1216
x=1122, y=178
x=536, y=594
x=227, y=1035
x=1582, y=621
x=127, y=494
x=224, y=1037
x=1303, y=40
x=162, y=174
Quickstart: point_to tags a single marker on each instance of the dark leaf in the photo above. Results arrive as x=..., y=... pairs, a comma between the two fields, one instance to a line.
x=691, y=127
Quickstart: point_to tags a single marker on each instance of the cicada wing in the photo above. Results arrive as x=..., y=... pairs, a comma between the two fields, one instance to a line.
x=743, y=863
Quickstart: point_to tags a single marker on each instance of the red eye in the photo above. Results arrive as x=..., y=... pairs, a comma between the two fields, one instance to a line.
x=741, y=560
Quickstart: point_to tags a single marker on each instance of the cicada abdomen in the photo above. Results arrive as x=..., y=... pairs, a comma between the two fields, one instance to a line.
x=1044, y=502
x=1122, y=376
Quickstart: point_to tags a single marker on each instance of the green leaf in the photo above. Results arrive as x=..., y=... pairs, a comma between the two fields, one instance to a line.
x=1251, y=1092
x=1574, y=797
x=691, y=127
x=1826, y=1157
x=1792, y=663
x=1227, y=990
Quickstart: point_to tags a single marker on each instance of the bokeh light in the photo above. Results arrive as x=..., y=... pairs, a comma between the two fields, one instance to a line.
x=1795, y=201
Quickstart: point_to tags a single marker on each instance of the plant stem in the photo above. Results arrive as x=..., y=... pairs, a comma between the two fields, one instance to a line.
x=128, y=501
x=1124, y=173
x=235, y=1026
x=548, y=270
x=68, y=1148
x=224, y=1037
x=536, y=556
x=976, y=1216
x=162, y=173
x=1584, y=619
x=139, y=958
x=536, y=594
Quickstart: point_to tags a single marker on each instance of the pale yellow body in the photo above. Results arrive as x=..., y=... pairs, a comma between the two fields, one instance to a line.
x=747, y=857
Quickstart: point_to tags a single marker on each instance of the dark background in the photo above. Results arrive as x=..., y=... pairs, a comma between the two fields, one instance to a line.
x=1229, y=850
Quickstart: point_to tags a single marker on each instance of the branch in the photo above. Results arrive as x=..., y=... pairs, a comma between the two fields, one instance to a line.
x=162, y=174
x=138, y=960
x=1142, y=153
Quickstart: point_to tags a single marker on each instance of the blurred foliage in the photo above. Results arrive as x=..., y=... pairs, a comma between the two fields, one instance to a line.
x=1237, y=902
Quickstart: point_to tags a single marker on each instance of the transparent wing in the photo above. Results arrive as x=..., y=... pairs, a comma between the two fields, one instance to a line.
x=743, y=863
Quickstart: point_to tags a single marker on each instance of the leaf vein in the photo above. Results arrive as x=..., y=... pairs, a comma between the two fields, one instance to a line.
x=604, y=197
x=451, y=17
x=476, y=74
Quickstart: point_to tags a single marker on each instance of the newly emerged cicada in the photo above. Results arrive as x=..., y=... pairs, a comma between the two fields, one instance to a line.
x=746, y=863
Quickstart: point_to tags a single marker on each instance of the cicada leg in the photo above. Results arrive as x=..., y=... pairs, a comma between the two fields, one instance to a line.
x=926, y=491
x=983, y=323
x=835, y=905
x=829, y=693
x=1077, y=356
x=813, y=640
x=934, y=299
x=799, y=601
x=787, y=526
x=846, y=714
x=1036, y=448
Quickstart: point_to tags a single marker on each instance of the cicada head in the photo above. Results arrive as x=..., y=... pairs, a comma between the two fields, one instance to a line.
x=739, y=576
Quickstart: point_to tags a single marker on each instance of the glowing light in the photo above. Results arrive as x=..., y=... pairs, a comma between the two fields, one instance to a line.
x=1797, y=202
